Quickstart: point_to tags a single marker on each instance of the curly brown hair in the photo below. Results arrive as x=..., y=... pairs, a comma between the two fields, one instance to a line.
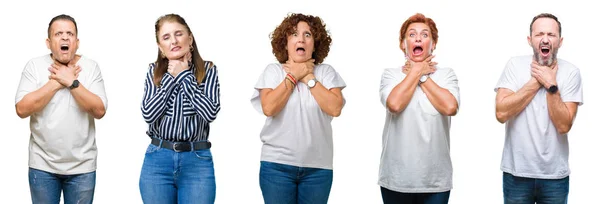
x=419, y=18
x=287, y=28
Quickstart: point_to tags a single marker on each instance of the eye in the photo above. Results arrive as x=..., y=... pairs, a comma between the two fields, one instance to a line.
x=411, y=35
x=178, y=34
x=425, y=35
x=295, y=34
x=166, y=37
x=70, y=34
x=307, y=35
x=56, y=34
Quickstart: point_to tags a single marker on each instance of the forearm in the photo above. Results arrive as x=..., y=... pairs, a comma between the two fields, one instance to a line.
x=274, y=100
x=207, y=103
x=443, y=101
x=559, y=113
x=89, y=102
x=402, y=93
x=37, y=100
x=507, y=106
x=330, y=101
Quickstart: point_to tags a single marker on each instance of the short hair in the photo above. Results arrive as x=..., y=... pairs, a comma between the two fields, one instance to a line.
x=545, y=15
x=288, y=26
x=419, y=18
x=64, y=17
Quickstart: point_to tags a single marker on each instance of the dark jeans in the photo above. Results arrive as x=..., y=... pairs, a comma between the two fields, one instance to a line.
x=521, y=190
x=393, y=197
x=285, y=184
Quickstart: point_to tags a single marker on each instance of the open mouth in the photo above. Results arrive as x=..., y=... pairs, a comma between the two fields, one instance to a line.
x=545, y=51
x=418, y=50
x=64, y=47
x=300, y=50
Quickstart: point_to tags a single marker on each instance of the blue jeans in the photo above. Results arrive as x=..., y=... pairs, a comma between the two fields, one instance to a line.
x=170, y=177
x=286, y=184
x=394, y=197
x=46, y=187
x=520, y=190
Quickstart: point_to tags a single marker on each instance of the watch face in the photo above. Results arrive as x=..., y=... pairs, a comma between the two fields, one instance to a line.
x=423, y=78
x=553, y=89
x=311, y=83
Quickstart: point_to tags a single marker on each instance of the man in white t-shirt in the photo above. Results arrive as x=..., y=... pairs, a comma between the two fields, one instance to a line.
x=62, y=93
x=537, y=98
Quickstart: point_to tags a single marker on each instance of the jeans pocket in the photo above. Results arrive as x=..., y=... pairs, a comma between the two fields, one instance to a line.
x=203, y=154
x=151, y=149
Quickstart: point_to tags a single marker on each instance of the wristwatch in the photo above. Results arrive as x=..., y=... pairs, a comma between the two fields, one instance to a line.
x=311, y=83
x=75, y=84
x=423, y=78
x=553, y=89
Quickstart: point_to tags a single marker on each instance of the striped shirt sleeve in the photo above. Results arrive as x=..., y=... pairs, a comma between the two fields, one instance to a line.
x=155, y=99
x=205, y=101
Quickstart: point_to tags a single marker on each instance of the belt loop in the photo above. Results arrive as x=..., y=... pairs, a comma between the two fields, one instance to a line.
x=160, y=143
x=192, y=146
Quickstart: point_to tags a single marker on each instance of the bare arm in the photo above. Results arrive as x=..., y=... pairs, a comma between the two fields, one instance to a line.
x=402, y=93
x=562, y=114
x=88, y=101
x=330, y=101
x=509, y=103
x=443, y=101
x=37, y=100
x=273, y=100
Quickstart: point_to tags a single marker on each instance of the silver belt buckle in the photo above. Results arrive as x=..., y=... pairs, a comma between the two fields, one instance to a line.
x=176, y=145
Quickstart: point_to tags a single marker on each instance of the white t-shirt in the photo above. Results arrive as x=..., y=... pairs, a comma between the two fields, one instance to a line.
x=300, y=135
x=416, y=142
x=533, y=147
x=62, y=135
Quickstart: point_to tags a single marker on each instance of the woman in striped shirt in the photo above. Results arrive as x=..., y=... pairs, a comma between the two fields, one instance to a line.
x=181, y=98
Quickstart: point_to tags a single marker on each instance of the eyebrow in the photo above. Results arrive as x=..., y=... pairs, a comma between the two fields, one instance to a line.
x=163, y=35
x=412, y=29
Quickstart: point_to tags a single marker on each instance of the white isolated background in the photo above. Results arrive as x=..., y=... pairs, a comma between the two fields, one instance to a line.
x=476, y=40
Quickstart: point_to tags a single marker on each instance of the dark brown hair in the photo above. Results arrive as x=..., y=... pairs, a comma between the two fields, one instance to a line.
x=63, y=17
x=545, y=15
x=287, y=28
x=162, y=62
x=419, y=18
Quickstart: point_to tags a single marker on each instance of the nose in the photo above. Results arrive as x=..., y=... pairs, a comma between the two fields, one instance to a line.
x=64, y=36
x=418, y=38
x=174, y=41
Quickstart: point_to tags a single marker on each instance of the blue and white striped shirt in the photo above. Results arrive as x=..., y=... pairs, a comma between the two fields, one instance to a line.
x=181, y=109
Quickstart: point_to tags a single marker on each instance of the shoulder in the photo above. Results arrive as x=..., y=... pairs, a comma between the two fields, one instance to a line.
x=566, y=65
x=445, y=71
x=392, y=72
x=209, y=65
x=85, y=61
x=523, y=60
x=40, y=60
x=274, y=68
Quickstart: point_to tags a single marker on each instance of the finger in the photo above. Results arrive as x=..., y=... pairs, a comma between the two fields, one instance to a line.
x=429, y=58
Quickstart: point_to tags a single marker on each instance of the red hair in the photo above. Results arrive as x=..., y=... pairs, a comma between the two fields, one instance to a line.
x=419, y=18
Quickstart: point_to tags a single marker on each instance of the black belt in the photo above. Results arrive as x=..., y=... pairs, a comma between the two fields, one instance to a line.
x=181, y=146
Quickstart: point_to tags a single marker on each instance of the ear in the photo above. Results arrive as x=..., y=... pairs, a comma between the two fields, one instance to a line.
x=160, y=48
x=433, y=44
x=191, y=39
x=48, y=43
x=560, y=42
x=529, y=41
x=403, y=46
x=76, y=44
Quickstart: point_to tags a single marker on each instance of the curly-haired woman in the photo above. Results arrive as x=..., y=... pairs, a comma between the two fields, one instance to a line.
x=300, y=96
